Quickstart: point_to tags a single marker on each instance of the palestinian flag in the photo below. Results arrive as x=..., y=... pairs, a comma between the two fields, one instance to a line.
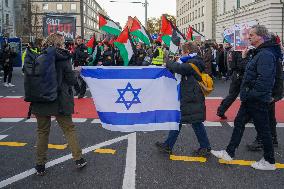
x=171, y=36
x=189, y=35
x=138, y=30
x=108, y=25
x=125, y=46
x=90, y=44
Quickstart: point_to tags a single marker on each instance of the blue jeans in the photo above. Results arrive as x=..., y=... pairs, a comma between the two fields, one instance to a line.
x=258, y=111
x=199, y=131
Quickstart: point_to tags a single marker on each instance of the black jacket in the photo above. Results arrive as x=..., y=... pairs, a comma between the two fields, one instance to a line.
x=80, y=56
x=108, y=58
x=64, y=104
x=192, y=102
x=259, y=77
x=8, y=57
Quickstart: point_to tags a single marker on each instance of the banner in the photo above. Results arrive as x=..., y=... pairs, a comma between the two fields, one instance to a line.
x=238, y=35
x=131, y=99
x=60, y=24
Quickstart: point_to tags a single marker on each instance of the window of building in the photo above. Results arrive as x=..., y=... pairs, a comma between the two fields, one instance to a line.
x=192, y=15
x=199, y=13
x=84, y=19
x=195, y=13
x=84, y=8
x=73, y=7
x=202, y=11
x=59, y=6
x=202, y=26
x=6, y=3
x=7, y=19
x=45, y=6
x=198, y=26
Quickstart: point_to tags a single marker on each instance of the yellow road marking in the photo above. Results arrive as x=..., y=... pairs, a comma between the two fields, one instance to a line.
x=57, y=147
x=246, y=163
x=12, y=144
x=105, y=151
x=236, y=162
x=188, y=158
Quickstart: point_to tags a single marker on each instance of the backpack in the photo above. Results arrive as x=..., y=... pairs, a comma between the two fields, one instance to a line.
x=207, y=84
x=40, y=80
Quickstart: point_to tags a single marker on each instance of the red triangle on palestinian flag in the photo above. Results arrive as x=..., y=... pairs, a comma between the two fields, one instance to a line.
x=125, y=46
x=166, y=28
x=108, y=25
x=90, y=43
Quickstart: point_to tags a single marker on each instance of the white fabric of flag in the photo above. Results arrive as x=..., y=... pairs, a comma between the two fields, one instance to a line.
x=134, y=98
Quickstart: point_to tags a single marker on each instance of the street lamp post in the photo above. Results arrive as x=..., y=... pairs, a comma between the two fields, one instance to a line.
x=145, y=4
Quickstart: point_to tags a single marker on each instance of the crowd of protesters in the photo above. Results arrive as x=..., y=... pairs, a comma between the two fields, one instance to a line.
x=256, y=75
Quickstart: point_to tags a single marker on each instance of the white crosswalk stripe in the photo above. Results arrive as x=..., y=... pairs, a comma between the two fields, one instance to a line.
x=11, y=120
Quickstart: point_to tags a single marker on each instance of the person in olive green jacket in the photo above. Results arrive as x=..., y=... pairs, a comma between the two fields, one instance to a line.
x=62, y=108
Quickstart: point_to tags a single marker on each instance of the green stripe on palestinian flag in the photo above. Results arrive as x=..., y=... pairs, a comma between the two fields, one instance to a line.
x=138, y=30
x=108, y=25
x=125, y=46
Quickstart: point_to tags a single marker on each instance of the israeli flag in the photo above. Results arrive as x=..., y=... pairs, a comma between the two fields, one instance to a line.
x=134, y=98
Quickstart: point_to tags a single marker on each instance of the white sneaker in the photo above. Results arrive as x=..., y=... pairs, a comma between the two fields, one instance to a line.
x=222, y=154
x=263, y=165
x=11, y=85
x=6, y=85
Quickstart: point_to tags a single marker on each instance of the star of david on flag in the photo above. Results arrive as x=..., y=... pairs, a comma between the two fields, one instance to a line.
x=133, y=98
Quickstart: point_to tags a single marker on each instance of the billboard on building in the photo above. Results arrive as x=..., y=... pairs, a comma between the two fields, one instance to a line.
x=64, y=25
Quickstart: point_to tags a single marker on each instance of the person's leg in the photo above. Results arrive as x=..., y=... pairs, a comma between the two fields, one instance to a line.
x=43, y=129
x=83, y=87
x=239, y=126
x=65, y=122
x=233, y=94
x=259, y=113
x=273, y=123
x=5, y=75
x=201, y=135
x=172, y=138
x=10, y=76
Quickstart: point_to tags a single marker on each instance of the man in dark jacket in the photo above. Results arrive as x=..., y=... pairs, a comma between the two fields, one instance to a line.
x=255, y=94
x=80, y=59
x=277, y=94
x=62, y=108
x=107, y=58
x=192, y=101
x=238, y=66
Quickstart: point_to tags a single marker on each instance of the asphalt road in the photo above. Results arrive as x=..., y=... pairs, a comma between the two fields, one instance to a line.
x=132, y=151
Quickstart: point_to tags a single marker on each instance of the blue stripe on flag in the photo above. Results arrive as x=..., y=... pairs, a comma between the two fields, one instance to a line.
x=158, y=116
x=143, y=73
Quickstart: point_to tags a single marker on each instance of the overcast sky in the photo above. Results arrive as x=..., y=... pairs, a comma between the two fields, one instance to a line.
x=119, y=12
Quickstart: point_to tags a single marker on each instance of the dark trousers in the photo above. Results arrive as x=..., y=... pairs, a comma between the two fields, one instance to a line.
x=199, y=131
x=8, y=75
x=272, y=123
x=258, y=111
x=233, y=94
x=80, y=86
x=43, y=130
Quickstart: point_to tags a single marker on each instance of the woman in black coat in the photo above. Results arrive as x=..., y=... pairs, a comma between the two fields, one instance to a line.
x=192, y=100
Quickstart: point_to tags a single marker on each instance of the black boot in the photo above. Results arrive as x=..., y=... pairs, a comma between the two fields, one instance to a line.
x=163, y=148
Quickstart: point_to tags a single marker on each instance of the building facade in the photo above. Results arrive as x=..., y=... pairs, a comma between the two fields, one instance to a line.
x=85, y=12
x=264, y=12
x=21, y=20
x=200, y=14
x=7, y=18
